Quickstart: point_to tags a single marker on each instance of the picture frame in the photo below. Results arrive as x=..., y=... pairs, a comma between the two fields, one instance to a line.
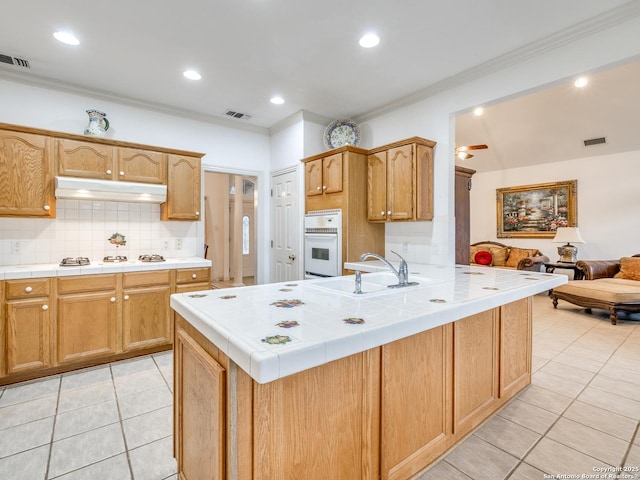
x=536, y=211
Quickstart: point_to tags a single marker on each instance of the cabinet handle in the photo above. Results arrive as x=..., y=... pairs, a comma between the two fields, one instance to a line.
x=318, y=188
x=198, y=213
x=194, y=276
x=382, y=213
x=28, y=289
x=113, y=299
x=126, y=297
x=388, y=212
x=324, y=187
x=45, y=307
x=122, y=173
x=108, y=172
x=47, y=207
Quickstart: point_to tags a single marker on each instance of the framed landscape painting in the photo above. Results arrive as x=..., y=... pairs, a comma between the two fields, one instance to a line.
x=536, y=211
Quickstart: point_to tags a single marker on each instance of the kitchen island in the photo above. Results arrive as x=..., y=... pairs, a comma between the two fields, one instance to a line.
x=308, y=380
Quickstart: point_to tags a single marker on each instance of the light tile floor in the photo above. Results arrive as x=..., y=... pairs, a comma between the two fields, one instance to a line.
x=582, y=411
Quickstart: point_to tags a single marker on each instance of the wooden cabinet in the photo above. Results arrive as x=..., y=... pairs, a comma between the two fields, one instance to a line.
x=183, y=189
x=87, y=319
x=343, y=172
x=199, y=411
x=86, y=159
x=26, y=174
x=144, y=166
x=27, y=326
x=323, y=176
x=400, y=181
x=462, y=207
x=193, y=279
x=515, y=347
x=146, y=314
x=416, y=390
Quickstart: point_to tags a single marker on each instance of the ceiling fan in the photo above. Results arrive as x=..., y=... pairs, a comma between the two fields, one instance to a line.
x=461, y=152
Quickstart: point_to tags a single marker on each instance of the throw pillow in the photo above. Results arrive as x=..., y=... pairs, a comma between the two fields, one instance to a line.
x=518, y=254
x=473, y=250
x=499, y=255
x=483, y=258
x=629, y=268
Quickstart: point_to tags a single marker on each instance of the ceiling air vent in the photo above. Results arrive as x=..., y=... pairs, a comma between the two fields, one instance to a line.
x=594, y=141
x=19, y=62
x=231, y=113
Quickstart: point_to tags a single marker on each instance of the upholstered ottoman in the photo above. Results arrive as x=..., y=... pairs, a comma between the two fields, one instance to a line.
x=612, y=294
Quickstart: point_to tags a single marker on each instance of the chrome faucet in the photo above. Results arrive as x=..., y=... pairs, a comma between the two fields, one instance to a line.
x=402, y=272
x=358, y=289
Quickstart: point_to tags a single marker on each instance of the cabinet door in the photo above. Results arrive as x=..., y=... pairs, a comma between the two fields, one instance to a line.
x=313, y=177
x=85, y=160
x=400, y=183
x=475, y=354
x=424, y=183
x=28, y=333
x=183, y=189
x=416, y=394
x=515, y=347
x=332, y=173
x=26, y=175
x=146, y=317
x=145, y=166
x=377, y=187
x=86, y=326
x=199, y=411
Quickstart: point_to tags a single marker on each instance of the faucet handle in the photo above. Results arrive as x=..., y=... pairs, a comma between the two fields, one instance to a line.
x=403, y=262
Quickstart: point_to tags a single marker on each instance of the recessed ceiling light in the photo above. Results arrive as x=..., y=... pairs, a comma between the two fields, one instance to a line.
x=66, y=37
x=192, y=75
x=581, y=82
x=277, y=100
x=369, y=40
x=478, y=111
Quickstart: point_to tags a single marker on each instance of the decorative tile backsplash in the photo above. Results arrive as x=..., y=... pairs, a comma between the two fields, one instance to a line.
x=83, y=228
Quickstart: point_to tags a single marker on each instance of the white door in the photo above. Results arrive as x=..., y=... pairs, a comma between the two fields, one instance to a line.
x=286, y=258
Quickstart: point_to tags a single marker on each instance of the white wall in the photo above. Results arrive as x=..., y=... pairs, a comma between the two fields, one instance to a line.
x=607, y=204
x=62, y=111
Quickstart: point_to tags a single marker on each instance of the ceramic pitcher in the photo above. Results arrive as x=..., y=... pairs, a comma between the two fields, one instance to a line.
x=98, y=123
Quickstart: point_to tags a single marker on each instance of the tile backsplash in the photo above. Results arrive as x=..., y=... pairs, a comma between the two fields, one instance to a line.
x=82, y=229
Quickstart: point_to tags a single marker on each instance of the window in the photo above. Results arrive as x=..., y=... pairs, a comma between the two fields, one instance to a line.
x=245, y=235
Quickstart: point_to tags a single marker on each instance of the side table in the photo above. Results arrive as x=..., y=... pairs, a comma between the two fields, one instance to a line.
x=577, y=273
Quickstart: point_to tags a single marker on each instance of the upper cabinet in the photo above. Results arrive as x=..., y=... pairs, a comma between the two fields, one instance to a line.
x=183, y=189
x=26, y=174
x=400, y=181
x=324, y=175
x=144, y=166
x=85, y=159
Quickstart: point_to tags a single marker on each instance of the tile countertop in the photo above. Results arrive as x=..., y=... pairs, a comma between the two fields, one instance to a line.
x=12, y=272
x=318, y=326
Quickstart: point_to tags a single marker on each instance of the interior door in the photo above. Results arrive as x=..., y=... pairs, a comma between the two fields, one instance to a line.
x=286, y=260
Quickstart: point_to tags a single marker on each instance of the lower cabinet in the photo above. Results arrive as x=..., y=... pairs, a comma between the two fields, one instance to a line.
x=87, y=319
x=385, y=413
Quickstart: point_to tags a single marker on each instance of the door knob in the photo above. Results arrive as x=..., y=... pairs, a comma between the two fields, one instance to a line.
x=292, y=257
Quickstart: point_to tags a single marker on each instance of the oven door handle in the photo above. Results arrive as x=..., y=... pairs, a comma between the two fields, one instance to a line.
x=319, y=275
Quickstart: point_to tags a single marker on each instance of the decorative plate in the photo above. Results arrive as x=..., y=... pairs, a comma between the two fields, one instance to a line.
x=340, y=133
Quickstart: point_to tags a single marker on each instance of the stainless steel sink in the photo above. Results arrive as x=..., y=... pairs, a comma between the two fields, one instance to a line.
x=373, y=284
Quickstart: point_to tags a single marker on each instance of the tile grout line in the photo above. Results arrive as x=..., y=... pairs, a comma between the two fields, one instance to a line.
x=53, y=429
x=124, y=437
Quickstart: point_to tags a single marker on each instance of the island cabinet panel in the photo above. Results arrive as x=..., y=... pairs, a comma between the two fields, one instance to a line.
x=475, y=371
x=515, y=347
x=416, y=392
x=86, y=159
x=200, y=415
x=26, y=175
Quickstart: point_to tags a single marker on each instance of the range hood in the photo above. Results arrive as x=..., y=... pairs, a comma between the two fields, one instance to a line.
x=113, y=191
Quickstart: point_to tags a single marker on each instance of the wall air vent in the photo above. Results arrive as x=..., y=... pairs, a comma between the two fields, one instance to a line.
x=19, y=62
x=594, y=141
x=231, y=113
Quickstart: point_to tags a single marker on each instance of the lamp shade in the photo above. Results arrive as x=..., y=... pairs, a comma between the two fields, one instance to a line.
x=568, y=235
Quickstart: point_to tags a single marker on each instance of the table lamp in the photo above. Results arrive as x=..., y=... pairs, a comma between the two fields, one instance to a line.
x=568, y=235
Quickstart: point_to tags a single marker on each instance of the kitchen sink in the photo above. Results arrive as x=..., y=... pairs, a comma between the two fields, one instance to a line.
x=373, y=284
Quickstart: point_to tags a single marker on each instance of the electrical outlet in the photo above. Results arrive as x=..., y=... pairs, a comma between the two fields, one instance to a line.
x=178, y=244
x=15, y=247
x=166, y=245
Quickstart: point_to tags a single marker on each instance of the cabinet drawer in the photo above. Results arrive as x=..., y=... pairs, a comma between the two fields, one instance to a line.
x=143, y=279
x=192, y=275
x=86, y=283
x=37, y=287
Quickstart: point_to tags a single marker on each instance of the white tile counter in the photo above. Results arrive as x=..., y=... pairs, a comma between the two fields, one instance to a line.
x=318, y=326
x=12, y=272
